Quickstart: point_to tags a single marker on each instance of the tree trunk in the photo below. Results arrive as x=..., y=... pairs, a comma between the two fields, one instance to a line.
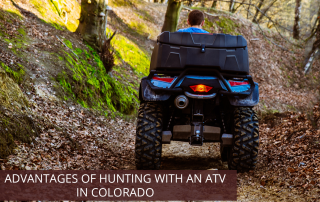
x=214, y=4
x=231, y=6
x=315, y=49
x=296, y=25
x=203, y=3
x=189, y=3
x=249, y=9
x=257, y=11
x=239, y=6
x=172, y=16
x=265, y=11
x=93, y=22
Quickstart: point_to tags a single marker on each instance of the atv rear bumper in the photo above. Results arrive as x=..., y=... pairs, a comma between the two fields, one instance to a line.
x=149, y=92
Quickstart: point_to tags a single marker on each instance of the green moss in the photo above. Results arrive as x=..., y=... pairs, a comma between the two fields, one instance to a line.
x=139, y=27
x=15, y=13
x=78, y=51
x=39, y=5
x=122, y=3
x=56, y=25
x=228, y=26
x=57, y=4
x=91, y=86
x=208, y=25
x=22, y=32
x=17, y=76
x=130, y=53
x=68, y=43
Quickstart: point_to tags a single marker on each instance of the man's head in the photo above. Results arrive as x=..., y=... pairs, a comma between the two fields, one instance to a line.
x=196, y=18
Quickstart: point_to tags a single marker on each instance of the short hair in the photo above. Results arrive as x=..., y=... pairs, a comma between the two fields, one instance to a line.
x=195, y=17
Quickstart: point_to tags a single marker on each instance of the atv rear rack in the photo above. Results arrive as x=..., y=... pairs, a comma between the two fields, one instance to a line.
x=173, y=90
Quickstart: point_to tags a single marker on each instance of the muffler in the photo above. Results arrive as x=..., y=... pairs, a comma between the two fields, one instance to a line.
x=181, y=101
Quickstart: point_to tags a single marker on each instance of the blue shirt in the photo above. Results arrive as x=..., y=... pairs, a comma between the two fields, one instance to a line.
x=192, y=30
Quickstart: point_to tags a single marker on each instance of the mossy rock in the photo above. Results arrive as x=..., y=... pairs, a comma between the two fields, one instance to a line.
x=11, y=95
x=14, y=127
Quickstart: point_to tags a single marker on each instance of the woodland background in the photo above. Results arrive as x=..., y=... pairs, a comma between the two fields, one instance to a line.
x=63, y=107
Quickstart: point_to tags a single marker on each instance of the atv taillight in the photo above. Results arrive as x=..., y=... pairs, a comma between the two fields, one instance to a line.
x=201, y=88
x=164, y=79
x=238, y=83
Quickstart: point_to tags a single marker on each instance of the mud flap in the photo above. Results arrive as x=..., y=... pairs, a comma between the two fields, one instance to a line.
x=249, y=101
x=147, y=94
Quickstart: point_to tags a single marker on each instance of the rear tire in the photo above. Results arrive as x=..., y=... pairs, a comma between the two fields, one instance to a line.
x=148, y=146
x=244, y=153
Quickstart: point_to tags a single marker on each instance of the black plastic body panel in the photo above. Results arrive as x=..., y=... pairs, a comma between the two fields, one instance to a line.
x=147, y=94
x=177, y=51
x=249, y=101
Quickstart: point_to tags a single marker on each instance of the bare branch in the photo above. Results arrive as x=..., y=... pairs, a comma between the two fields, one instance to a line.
x=260, y=12
x=269, y=38
x=266, y=10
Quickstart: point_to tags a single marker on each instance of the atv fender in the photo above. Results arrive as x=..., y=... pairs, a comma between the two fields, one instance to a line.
x=249, y=101
x=147, y=94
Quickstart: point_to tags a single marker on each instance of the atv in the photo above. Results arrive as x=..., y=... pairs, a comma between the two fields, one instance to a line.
x=199, y=90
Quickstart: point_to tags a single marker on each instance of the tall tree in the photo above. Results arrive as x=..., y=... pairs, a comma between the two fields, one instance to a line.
x=203, y=3
x=296, y=26
x=214, y=4
x=172, y=16
x=231, y=6
x=93, y=22
x=264, y=11
x=315, y=47
x=249, y=9
x=257, y=11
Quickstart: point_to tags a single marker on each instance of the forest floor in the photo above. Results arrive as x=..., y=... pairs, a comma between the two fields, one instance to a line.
x=73, y=137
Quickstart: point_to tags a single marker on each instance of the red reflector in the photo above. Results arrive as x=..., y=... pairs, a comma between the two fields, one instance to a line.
x=201, y=88
x=236, y=83
x=168, y=80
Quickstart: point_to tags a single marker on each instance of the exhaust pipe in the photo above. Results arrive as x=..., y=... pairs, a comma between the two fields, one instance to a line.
x=181, y=101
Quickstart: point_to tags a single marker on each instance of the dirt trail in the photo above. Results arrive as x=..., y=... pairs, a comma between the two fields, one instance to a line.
x=182, y=156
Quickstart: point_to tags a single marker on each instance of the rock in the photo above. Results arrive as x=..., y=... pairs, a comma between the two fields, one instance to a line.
x=10, y=92
x=28, y=168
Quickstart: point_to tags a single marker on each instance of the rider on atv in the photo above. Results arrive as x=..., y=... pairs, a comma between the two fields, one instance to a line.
x=198, y=90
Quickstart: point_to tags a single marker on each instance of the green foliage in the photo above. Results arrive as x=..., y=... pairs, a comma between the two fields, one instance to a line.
x=228, y=26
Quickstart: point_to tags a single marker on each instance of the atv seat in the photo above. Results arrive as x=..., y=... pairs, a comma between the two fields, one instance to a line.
x=180, y=50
